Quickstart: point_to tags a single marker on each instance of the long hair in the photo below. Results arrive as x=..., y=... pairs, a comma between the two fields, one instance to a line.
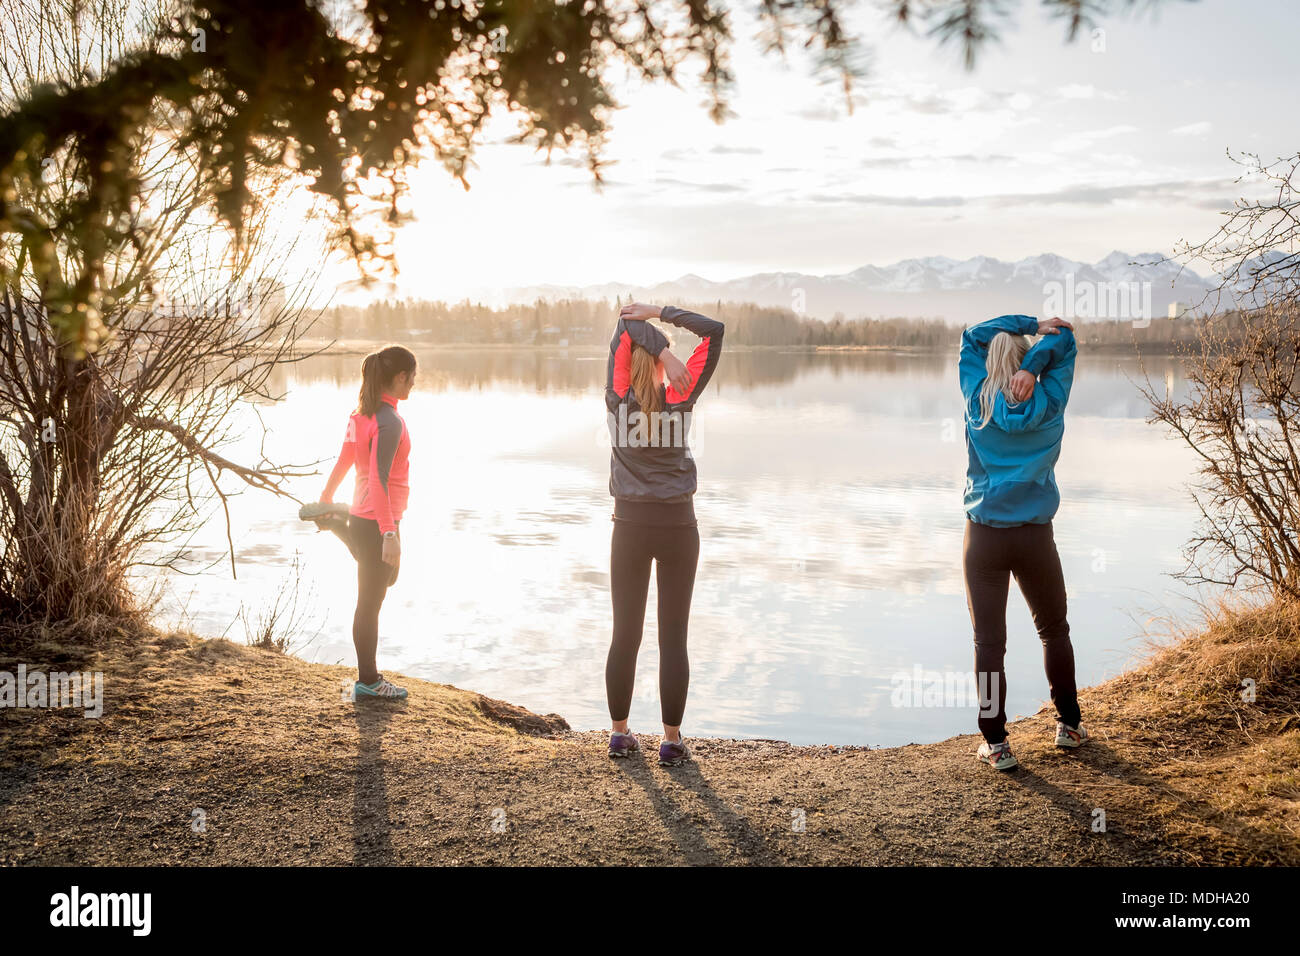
x=377, y=373
x=1006, y=352
x=645, y=381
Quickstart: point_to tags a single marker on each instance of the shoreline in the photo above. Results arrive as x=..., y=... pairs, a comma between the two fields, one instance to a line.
x=311, y=349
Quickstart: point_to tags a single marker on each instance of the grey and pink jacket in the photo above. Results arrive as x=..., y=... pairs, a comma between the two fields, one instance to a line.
x=379, y=446
x=653, y=470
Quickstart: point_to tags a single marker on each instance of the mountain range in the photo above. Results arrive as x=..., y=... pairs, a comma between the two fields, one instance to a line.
x=932, y=287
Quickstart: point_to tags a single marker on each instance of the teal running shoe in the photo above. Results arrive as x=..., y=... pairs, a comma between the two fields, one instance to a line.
x=380, y=689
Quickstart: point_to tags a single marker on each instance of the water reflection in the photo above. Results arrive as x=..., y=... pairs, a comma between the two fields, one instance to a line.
x=550, y=371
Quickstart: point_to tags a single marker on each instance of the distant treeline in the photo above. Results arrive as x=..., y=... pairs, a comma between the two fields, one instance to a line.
x=587, y=323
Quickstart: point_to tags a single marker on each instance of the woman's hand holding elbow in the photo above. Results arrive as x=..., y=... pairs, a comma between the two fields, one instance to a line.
x=639, y=312
x=1022, y=385
x=675, y=372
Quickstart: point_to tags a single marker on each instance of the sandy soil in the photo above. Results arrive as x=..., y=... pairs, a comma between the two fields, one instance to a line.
x=283, y=770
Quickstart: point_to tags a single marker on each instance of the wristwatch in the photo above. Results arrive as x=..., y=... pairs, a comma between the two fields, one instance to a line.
x=390, y=534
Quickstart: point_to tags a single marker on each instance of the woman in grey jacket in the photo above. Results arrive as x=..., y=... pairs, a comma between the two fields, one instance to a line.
x=652, y=479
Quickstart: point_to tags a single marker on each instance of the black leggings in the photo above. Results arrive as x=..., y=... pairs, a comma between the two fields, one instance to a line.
x=374, y=578
x=676, y=552
x=989, y=557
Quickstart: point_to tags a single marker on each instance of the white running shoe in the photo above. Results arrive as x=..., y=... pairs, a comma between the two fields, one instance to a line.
x=997, y=756
x=1067, y=736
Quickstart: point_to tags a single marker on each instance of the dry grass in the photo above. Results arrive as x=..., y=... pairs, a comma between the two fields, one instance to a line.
x=1234, y=761
x=1195, y=687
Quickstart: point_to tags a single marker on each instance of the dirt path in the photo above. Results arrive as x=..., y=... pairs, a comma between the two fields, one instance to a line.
x=284, y=771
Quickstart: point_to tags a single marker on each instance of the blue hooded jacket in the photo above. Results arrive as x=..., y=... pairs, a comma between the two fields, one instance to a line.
x=1009, y=479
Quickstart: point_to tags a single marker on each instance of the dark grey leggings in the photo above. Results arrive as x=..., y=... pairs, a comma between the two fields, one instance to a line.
x=990, y=557
x=675, y=552
x=374, y=578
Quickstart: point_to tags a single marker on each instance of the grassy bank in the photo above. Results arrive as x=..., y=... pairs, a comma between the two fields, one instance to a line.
x=283, y=770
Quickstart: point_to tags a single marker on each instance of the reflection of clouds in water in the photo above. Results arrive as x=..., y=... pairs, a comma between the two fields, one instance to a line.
x=524, y=540
x=830, y=512
x=263, y=553
x=553, y=517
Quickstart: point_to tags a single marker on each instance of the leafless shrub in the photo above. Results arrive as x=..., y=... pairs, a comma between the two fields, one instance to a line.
x=279, y=624
x=112, y=454
x=1242, y=410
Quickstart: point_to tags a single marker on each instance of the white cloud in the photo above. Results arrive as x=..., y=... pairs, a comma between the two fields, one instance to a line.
x=1192, y=129
x=1077, y=91
x=1085, y=91
x=1086, y=138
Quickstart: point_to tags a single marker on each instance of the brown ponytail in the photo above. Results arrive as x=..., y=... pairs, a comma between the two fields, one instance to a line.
x=378, y=370
x=645, y=381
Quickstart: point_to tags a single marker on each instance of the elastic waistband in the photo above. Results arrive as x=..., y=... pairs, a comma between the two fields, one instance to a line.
x=1023, y=526
x=655, y=512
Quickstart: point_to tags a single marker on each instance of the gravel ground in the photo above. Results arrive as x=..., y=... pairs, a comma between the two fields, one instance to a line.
x=214, y=753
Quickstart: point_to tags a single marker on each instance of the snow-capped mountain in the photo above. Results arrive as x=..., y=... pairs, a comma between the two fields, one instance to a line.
x=935, y=286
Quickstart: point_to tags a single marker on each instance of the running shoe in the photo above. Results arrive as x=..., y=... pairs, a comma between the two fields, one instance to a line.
x=318, y=510
x=329, y=517
x=997, y=756
x=673, y=754
x=622, y=745
x=381, y=689
x=1067, y=736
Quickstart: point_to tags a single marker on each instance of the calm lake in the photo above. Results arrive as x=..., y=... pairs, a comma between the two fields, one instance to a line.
x=831, y=521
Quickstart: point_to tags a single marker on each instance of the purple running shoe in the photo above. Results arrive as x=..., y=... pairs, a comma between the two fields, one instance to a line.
x=673, y=754
x=622, y=745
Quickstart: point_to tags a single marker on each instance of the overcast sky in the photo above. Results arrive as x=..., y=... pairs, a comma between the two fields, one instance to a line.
x=1044, y=147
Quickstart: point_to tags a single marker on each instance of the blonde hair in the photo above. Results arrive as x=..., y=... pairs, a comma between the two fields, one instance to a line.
x=645, y=381
x=1006, y=352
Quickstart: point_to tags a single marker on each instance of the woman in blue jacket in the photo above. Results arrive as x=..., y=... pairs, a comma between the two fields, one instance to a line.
x=1015, y=409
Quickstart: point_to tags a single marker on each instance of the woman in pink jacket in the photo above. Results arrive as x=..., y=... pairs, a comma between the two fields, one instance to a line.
x=378, y=444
